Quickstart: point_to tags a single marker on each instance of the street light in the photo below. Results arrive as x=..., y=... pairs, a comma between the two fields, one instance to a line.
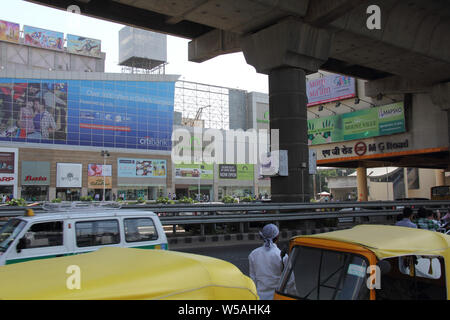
x=105, y=154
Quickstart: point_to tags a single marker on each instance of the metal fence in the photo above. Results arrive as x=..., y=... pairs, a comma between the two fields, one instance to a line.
x=200, y=215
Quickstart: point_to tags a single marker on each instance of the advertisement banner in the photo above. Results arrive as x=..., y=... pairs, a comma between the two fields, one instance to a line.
x=141, y=168
x=361, y=124
x=99, y=170
x=84, y=46
x=68, y=175
x=330, y=88
x=42, y=38
x=7, y=162
x=97, y=182
x=9, y=31
x=236, y=171
x=204, y=171
x=115, y=114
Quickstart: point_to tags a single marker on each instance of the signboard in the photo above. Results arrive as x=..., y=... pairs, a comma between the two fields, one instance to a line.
x=330, y=88
x=68, y=175
x=7, y=162
x=42, y=38
x=9, y=31
x=204, y=171
x=236, y=171
x=141, y=168
x=36, y=173
x=361, y=124
x=109, y=114
x=99, y=176
x=84, y=46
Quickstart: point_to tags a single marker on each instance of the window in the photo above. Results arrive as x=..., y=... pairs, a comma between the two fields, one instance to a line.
x=45, y=234
x=316, y=274
x=97, y=233
x=140, y=229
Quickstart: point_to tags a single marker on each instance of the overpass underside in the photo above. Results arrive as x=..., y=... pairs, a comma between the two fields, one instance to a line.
x=407, y=52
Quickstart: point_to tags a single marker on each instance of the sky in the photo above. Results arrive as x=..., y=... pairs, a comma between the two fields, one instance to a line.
x=229, y=70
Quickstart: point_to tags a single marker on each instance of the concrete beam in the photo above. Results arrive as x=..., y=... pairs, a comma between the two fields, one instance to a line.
x=289, y=43
x=213, y=44
x=322, y=12
x=396, y=85
x=440, y=95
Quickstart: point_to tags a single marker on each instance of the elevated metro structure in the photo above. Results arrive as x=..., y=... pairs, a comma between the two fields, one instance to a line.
x=409, y=54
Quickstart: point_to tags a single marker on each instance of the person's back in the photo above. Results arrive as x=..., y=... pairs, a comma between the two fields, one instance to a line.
x=265, y=263
x=406, y=219
x=425, y=220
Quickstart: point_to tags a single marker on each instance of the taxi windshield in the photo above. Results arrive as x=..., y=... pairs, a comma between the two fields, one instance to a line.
x=318, y=274
x=9, y=232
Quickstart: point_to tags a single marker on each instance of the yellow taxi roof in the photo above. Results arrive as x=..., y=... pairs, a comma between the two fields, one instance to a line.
x=389, y=241
x=125, y=273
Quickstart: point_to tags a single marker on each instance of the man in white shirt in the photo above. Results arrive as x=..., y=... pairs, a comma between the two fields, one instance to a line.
x=266, y=264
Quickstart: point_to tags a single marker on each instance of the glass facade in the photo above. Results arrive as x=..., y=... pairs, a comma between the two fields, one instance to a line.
x=116, y=114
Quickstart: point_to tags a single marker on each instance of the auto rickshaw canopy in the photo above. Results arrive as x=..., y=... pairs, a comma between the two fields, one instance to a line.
x=392, y=241
x=126, y=273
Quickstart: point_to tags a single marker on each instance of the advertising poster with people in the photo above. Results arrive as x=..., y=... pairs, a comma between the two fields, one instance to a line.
x=116, y=114
x=84, y=46
x=142, y=168
x=9, y=31
x=202, y=171
x=33, y=111
x=42, y=38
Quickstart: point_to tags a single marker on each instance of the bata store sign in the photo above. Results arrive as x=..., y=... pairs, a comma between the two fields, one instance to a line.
x=361, y=149
x=35, y=173
x=68, y=175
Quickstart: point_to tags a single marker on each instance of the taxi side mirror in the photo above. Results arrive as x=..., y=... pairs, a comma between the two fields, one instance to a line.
x=21, y=245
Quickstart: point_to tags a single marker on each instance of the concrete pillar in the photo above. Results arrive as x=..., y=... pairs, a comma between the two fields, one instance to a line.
x=440, y=177
x=287, y=103
x=361, y=174
x=287, y=51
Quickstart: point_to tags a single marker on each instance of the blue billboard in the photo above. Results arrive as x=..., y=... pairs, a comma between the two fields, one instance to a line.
x=115, y=114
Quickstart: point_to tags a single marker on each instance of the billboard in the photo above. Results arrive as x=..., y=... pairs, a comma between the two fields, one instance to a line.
x=236, y=171
x=361, y=124
x=116, y=114
x=141, y=168
x=330, y=88
x=84, y=46
x=68, y=175
x=204, y=171
x=42, y=38
x=9, y=31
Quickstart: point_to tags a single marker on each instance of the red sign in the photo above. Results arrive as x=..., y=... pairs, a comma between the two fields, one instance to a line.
x=6, y=179
x=31, y=178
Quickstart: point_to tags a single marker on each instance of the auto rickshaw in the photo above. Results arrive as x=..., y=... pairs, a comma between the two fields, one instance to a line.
x=367, y=262
x=126, y=273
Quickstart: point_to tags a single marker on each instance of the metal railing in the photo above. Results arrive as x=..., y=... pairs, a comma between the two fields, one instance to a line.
x=206, y=214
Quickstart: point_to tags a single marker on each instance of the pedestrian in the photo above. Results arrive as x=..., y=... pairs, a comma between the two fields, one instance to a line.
x=407, y=219
x=266, y=263
x=425, y=220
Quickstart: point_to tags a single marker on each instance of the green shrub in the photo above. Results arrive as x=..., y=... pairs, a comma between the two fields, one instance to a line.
x=141, y=200
x=163, y=200
x=186, y=200
x=57, y=200
x=86, y=198
x=229, y=199
x=17, y=202
x=248, y=199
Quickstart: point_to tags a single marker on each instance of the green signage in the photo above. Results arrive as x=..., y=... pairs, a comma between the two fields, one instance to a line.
x=202, y=171
x=236, y=171
x=361, y=124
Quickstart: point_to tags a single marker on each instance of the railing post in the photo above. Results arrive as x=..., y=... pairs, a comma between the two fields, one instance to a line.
x=202, y=229
x=174, y=228
x=241, y=227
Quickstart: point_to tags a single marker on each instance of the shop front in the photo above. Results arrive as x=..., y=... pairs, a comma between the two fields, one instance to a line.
x=35, y=180
x=8, y=173
x=68, y=181
x=141, y=179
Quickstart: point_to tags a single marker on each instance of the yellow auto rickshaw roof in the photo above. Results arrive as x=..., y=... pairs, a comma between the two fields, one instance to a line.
x=390, y=241
x=125, y=273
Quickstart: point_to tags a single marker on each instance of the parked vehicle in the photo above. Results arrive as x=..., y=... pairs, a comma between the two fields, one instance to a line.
x=125, y=273
x=78, y=230
x=376, y=262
